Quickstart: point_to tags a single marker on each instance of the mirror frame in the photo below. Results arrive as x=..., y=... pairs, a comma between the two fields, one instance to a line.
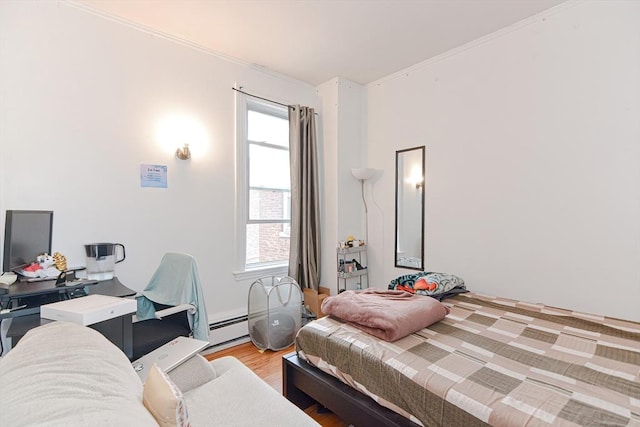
x=399, y=181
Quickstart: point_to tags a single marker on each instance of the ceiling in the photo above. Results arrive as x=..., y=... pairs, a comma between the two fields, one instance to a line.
x=317, y=40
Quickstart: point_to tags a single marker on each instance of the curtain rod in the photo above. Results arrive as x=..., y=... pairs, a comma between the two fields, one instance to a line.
x=265, y=99
x=259, y=97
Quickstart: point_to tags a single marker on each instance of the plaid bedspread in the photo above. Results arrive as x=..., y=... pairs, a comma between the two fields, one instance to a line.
x=492, y=361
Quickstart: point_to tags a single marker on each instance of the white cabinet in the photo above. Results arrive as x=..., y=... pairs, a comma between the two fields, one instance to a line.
x=352, y=268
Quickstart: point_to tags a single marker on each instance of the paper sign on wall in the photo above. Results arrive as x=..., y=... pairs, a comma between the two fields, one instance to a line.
x=153, y=176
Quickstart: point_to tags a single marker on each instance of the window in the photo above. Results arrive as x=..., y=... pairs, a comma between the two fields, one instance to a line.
x=265, y=185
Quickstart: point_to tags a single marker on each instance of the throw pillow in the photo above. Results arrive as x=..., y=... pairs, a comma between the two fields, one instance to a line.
x=164, y=400
x=193, y=373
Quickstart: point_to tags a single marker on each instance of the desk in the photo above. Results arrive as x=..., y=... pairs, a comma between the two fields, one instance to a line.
x=118, y=332
x=111, y=288
x=20, y=290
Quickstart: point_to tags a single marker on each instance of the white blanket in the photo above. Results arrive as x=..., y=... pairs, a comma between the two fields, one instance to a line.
x=62, y=374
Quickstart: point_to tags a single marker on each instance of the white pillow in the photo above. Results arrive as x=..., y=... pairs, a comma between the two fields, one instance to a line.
x=164, y=400
x=192, y=374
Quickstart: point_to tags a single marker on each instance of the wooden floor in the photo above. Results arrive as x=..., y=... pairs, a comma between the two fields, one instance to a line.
x=268, y=366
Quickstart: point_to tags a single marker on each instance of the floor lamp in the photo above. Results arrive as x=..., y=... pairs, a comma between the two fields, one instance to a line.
x=364, y=174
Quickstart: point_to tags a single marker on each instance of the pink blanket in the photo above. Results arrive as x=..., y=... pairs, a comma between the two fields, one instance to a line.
x=386, y=314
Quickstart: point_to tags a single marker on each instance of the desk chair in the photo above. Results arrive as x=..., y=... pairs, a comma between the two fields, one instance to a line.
x=171, y=305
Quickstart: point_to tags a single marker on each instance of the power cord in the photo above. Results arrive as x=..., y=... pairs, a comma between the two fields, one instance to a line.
x=1, y=340
x=375, y=203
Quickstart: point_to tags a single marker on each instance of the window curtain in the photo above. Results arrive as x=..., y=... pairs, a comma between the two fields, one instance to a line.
x=304, y=251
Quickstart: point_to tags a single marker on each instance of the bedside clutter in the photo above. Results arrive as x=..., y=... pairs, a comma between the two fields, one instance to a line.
x=66, y=374
x=313, y=300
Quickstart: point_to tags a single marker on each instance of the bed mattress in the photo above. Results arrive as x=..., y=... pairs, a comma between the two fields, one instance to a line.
x=491, y=361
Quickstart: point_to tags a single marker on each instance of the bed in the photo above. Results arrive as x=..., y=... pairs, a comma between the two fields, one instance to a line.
x=490, y=361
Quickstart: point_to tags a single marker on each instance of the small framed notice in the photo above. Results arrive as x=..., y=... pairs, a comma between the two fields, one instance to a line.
x=153, y=176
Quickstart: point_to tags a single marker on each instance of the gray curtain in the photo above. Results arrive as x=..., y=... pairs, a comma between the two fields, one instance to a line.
x=304, y=253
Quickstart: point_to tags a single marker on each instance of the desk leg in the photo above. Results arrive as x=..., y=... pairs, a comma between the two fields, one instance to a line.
x=6, y=342
x=127, y=336
x=119, y=331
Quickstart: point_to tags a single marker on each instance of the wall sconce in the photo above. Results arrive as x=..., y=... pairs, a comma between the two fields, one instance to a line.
x=183, y=153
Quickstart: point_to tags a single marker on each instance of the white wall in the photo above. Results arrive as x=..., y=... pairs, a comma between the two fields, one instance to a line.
x=533, y=158
x=342, y=149
x=328, y=151
x=81, y=97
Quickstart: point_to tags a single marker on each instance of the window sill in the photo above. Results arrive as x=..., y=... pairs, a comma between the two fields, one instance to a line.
x=256, y=273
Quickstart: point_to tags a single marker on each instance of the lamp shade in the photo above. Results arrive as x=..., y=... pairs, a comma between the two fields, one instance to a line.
x=363, y=173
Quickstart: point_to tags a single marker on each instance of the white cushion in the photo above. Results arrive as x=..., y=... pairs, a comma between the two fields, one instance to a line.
x=238, y=397
x=192, y=374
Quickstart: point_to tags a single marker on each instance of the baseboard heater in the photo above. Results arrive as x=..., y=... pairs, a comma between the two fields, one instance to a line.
x=229, y=330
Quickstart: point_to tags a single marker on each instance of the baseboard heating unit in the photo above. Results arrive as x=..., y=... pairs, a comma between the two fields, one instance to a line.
x=228, y=332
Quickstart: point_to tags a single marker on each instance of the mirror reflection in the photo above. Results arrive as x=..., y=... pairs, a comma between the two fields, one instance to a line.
x=410, y=173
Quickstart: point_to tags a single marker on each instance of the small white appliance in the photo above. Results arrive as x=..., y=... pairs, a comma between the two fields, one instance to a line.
x=8, y=278
x=88, y=310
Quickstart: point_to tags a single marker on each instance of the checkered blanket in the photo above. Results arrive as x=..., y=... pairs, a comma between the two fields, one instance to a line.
x=492, y=361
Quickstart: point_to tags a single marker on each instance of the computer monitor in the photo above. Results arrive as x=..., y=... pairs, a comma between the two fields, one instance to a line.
x=27, y=234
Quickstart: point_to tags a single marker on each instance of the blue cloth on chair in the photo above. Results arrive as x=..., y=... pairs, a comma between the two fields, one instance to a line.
x=176, y=281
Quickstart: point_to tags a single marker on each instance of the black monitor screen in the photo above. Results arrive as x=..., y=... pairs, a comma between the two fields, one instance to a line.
x=27, y=234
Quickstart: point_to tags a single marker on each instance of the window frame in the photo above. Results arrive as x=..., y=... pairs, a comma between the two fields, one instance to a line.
x=244, y=103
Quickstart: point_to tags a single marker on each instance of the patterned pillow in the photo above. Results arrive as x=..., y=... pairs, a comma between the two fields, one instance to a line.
x=164, y=400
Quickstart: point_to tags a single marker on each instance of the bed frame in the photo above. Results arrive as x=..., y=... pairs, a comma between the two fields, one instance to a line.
x=305, y=385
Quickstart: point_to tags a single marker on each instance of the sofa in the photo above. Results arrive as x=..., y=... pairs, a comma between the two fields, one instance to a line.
x=65, y=374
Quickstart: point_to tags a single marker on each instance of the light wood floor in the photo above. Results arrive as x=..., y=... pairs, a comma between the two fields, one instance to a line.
x=268, y=366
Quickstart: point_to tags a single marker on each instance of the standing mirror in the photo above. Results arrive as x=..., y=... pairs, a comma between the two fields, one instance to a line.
x=410, y=170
